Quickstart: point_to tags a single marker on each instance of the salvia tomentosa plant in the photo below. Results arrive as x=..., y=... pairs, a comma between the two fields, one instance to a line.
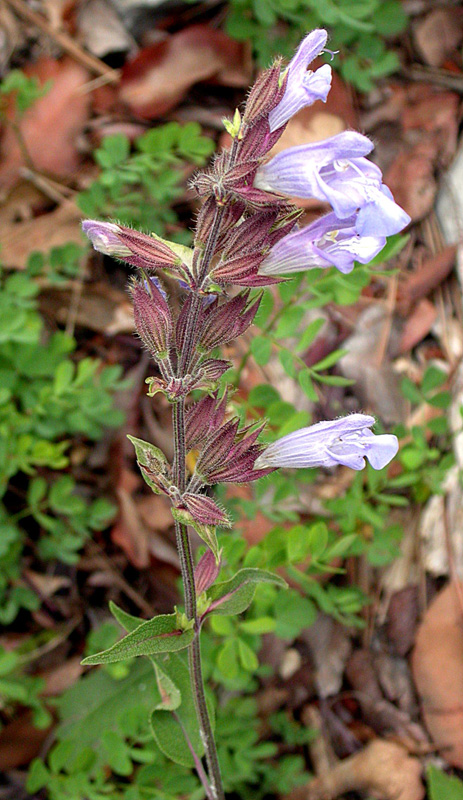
x=247, y=235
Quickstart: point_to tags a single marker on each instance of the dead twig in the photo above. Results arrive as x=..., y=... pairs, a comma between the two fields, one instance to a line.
x=64, y=40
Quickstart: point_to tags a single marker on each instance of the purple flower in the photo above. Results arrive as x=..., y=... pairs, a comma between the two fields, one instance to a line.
x=336, y=171
x=303, y=87
x=347, y=441
x=154, y=281
x=104, y=238
x=327, y=242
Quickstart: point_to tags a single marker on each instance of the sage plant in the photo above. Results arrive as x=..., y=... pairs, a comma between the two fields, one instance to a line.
x=247, y=235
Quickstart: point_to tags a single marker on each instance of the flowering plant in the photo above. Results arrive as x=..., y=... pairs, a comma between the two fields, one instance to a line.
x=247, y=235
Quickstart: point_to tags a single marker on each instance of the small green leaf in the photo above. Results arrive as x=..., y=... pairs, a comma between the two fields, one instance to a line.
x=38, y=776
x=305, y=382
x=148, y=455
x=261, y=348
x=310, y=333
x=248, y=658
x=442, y=786
x=158, y=635
x=235, y=595
x=168, y=729
x=288, y=363
x=432, y=379
x=329, y=360
x=257, y=626
x=227, y=659
x=206, y=532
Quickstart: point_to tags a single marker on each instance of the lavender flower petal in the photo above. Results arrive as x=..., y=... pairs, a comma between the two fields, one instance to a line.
x=104, y=239
x=336, y=171
x=295, y=171
x=303, y=87
x=327, y=242
x=346, y=441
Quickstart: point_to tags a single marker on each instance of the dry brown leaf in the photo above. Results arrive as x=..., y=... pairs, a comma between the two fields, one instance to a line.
x=417, y=325
x=159, y=76
x=20, y=742
x=402, y=617
x=101, y=308
x=40, y=233
x=330, y=647
x=438, y=34
x=383, y=770
x=437, y=665
x=101, y=30
x=383, y=716
x=129, y=531
x=62, y=677
x=51, y=127
x=434, y=115
x=377, y=383
x=47, y=585
x=411, y=179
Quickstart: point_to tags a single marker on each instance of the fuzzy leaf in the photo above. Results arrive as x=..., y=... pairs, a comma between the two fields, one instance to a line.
x=170, y=694
x=158, y=635
x=206, y=532
x=148, y=455
x=169, y=729
x=150, y=460
x=235, y=595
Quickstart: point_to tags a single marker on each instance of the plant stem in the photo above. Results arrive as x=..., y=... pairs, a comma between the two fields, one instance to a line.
x=181, y=531
x=194, y=650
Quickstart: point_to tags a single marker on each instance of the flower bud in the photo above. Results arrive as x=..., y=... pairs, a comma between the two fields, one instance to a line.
x=206, y=572
x=138, y=249
x=264, y=95
x=153, y=319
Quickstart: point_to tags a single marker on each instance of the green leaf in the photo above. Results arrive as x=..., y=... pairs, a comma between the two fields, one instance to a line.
x=261, y=349
x=298, y=542
x=117, y=753
x=390, y=18
x=263, y=395
x=248, y=658
x=206, y=532
x=148, y=455
x=432, y=379
x=329, y=360
x=38, y=776
x=97, y=701
x=318, y=533
x=265, y=308
x=258, y=626
x=128, y=621
x=235, y=595
x=410, y=391
x=114, y=150
x=442, y=786
x=310, y=333
x=288, y=363
x=293, y=613
x=289, y=322
x=153, y=459
x=63, y=377
x=167, y=728
x=158, y=635
x=227, y=659
x=305, y=382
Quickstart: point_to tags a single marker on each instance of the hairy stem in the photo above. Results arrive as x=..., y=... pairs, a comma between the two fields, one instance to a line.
x=194, y=650
x=181, y=531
